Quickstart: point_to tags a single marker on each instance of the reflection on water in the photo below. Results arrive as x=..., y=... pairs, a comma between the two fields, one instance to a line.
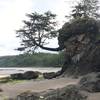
x=10, y=70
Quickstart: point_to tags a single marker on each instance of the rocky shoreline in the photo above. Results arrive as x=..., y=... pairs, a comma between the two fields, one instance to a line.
x=88, y=84
x=55, y=89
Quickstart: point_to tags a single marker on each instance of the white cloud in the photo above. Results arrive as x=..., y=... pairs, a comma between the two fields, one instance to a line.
x=12, y=13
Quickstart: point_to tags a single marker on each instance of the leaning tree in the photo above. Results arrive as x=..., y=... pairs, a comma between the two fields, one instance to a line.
x=37, y=30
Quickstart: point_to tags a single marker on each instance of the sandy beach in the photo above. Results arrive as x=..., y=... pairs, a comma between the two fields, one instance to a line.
x=12, y=90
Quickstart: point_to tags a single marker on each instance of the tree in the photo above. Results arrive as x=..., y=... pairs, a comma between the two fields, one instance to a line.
x=86, y=8
x=38, y=29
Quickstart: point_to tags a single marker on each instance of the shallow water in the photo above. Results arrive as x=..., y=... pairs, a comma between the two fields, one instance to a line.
x=11, y=70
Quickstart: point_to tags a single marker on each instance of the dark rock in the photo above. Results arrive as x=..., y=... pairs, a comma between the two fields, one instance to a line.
x=28, y=96
x=82, y=55
x=39, y=73
x=49, y=75
x=17, y=76
x=71, y=92
x=1, y=90
x=30, y=75
x=90, y=82
x=27, y=75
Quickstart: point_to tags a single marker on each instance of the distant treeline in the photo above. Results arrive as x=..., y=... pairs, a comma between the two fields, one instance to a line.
x=29, y=60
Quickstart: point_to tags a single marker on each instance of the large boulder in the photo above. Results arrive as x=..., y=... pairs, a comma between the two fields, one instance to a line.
x=90, y=82
x=49, y=75
x=18, y=76
x=70, y=92
x=30, y=75
x=26, y=75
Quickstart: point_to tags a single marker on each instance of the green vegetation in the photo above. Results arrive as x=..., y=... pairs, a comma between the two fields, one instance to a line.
x=87, y=26
x=29, y=60
x=83, y=20
x=9, y=80
x=37, y=30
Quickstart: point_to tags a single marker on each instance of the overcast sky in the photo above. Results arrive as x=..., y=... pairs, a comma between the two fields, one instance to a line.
x=12, y=12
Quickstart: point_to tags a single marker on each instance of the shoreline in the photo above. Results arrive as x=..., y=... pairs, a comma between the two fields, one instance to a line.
x=3, y=76
x=5, y=72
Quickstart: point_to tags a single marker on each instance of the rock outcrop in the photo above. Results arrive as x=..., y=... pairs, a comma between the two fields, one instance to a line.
x=81, y=42
x=18, y=76
x=71, y=92
x=82, y=55
x=30, y=75
x=90, y=82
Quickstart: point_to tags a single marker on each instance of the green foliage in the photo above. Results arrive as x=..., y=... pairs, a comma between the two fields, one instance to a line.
x=83, y=20
x=88, y=26
x=36, y=30
x=86, y=8
x=90, y=8
x=11, y=81
x=5, y=80
x=28, y=60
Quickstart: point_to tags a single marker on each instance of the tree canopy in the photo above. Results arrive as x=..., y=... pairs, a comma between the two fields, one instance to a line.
x=38, y=29
x=86, y=8
x=84, y=20
x=88, y=26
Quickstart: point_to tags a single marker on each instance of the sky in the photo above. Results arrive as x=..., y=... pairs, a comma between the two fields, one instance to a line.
x=12, y=12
